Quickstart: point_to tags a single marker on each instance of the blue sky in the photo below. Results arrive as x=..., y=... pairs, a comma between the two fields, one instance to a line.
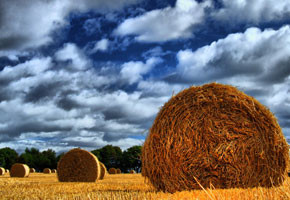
x=96, y=72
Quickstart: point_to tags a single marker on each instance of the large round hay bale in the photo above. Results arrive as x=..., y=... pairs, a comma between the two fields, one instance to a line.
x=2, y=171
x=118, y=171
x=214, y=135
x=19, y=170
x=78, y=165
x=46, y=171
x=53, y=171
x=32, y=170
x=132, y=171
x=103, y=171
x=112, y=171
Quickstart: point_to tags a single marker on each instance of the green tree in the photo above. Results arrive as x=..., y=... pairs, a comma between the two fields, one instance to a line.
x=39, y=160
x=59, y=157
x=132, y=159
x=8, y=157
x=110, y=155
x=51, y=156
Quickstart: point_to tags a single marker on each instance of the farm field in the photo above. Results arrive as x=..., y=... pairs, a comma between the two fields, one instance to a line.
x=120, y=186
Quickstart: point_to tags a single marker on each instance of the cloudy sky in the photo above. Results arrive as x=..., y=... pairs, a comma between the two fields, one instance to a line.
x=89, y=73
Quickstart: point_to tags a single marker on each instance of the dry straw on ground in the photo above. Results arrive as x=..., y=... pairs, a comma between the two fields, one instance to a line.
x=46, y=171
x=214, y=136
x=53, y=171
x=112, y=171
x=78, y=165
x=2, y=171
x=32, y=170
x=132, y=171
x=118, y=171
x=103, y=171
x=19, y=170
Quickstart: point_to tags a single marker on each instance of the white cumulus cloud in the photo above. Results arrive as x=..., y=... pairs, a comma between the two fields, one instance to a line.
x=165, y=24
x=254, y=11
x=132, y=71
x=29, y=24
x=101, y=45
x=262, y=56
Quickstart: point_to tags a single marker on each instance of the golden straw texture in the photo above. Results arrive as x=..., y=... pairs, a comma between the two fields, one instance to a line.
x=19, y=170
x=78, y=165
x=112, y=171
x=214, y=136
x=32, y=170
x=46, y=171
x=103, y=171
x=2, y=171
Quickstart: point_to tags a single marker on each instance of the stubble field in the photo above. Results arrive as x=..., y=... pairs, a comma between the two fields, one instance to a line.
x=121, y=186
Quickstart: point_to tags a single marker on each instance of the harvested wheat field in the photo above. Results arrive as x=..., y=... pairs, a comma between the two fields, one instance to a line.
x=121, y=186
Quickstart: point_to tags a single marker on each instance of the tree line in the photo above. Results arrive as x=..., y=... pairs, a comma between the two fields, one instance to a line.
x=111, y=156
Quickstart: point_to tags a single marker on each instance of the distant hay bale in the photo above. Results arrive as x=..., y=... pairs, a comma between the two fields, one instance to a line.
x=32, y=170
x=53, y=171
x=103, y=171
x=78, y=165
x=46, y=171
x=132, y=171
x=119, y=171
x=112, y=171
x=214, y=135
x=19, y=170
x=6, y=170
x=2, y=171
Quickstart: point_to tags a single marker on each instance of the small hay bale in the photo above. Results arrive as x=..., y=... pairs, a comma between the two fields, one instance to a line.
x=32, y=170
x=112, y=171
x=19, y=170
x=53, y=171
x=46, y=171
x=103, y=171
x=119, y=171
x=2, y=171
x=132, y=171
x=78, y=165
x=214, y=135
x=6, y=170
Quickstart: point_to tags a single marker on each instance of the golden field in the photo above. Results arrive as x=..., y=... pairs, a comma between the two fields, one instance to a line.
x=120, y=186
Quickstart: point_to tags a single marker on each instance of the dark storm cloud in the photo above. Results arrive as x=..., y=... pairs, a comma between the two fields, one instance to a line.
x=279, y=73
x=110, y=137
x=12, y=42
x=67, y=103
x=43, y=90
x=4, y=94
x=113, y=113
x=256, y=92
x=16, y=129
